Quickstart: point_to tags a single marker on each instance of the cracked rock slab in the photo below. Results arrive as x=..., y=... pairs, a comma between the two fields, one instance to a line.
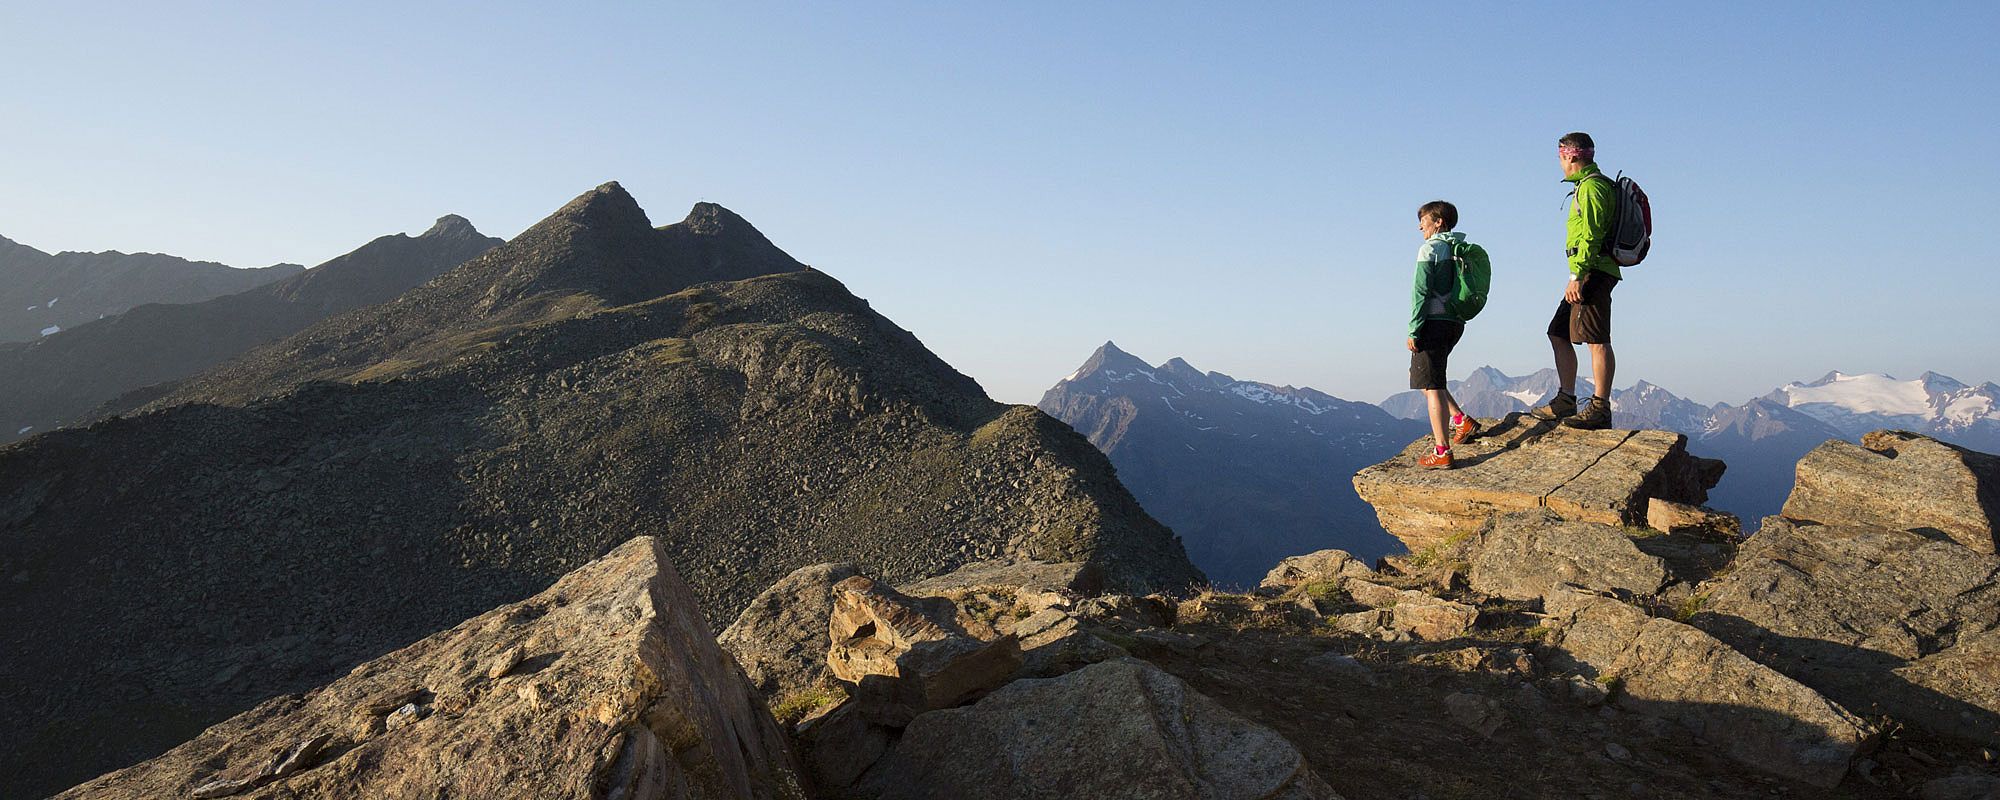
x=1521, y=464
x=1666, y=669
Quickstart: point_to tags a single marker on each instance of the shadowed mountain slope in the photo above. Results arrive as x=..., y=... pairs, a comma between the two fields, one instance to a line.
x=39, y=291
x=59, y=379
x=395, y=469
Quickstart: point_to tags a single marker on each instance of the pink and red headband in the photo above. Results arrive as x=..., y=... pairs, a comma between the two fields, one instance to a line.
x=1577, y=153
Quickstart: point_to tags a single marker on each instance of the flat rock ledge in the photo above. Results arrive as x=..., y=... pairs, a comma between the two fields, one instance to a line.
x=1520, y=464
x=607, y=685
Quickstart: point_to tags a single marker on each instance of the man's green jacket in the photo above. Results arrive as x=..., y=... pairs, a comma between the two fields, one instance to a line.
x=1590, y=223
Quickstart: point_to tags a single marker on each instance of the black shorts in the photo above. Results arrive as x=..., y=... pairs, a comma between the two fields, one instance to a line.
x=1588, y=322
x=1435, y=339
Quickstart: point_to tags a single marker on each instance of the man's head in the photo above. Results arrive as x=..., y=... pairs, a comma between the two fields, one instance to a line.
x=1575, y=150
x=1435, y=216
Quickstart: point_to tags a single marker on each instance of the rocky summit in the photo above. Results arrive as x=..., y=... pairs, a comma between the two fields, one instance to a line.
x=1522, y=463
x=385, y=473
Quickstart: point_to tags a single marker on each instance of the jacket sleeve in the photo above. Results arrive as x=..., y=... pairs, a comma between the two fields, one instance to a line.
x=1594, y=199
x=1420, y=293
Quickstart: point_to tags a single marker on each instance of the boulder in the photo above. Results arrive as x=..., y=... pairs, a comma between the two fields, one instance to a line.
x=1325, y=565
x=1666, y=669
x=1053, y=642
x=1956, y=691
x=909, y=655
x=1901, y=480
x=838, y=744
x=622, y=694
x=1668, y=516
x=1416, y=613
x=1119, y=729
x=1845, y=609
x=1521, y=464
x=1527, y=554
x=780, y=638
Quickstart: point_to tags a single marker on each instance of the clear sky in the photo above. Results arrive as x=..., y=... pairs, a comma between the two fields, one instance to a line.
x=1234, y=183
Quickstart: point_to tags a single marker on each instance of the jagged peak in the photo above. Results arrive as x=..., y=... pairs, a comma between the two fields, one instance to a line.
x=450, y=225
x=608, y=205
x=1108, y=356
x=711, y=219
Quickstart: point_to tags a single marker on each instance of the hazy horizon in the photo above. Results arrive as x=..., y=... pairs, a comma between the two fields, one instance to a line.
x=1017, y=185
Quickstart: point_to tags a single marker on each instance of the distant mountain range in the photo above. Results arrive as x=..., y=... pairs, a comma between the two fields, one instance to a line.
x=41, y=293
x=63, y=377
x=1246, y=472
x=1763, y=438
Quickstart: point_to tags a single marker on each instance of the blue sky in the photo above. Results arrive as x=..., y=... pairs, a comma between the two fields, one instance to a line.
x=1016, y=183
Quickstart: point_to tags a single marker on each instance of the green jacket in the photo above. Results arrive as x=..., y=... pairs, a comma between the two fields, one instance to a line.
x=1590, y=221
x=1437, y=279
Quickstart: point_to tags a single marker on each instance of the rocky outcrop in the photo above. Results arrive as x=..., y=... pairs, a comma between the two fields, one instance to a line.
x=1116, y=729
x=1325, y=565
x=1527, y=554
x=1607, y=477
x=1846, y=608
x=780, y=638
x=908, y=655
x=605, y=685
x=1673, y=671
x=1901, y=480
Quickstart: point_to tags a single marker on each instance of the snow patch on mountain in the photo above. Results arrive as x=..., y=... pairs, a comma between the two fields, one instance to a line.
x=1862, y=394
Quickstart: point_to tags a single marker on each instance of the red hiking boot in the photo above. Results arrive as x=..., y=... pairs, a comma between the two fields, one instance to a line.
x=1464, y=431
x=1435, y=460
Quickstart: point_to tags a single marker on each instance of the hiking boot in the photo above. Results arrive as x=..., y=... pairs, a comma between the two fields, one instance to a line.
x=1596, y=415
x=1564, y=405
x=1435, y=460
x=1464, y=431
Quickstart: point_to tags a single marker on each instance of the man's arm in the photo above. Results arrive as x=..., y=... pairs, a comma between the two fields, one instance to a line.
x=1420, y=293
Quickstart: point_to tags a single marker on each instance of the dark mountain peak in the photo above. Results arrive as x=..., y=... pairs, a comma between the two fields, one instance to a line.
x=606, y=207
x=1178, y=371
x=711, y=219
x=1108, y=358
x=1933, y=382
x=1221, y=379
x=451, y=225
x=1489, y=373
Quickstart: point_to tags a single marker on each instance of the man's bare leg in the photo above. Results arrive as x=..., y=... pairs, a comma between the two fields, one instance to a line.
x=1565, y=364
x=1603, y=363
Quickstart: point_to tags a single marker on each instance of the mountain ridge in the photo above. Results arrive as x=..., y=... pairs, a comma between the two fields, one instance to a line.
x=255, y=534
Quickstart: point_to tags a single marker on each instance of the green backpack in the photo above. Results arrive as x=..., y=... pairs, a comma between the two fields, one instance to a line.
x=1475, y=274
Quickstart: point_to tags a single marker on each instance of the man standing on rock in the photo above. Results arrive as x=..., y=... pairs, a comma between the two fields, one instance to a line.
x=1584, y=315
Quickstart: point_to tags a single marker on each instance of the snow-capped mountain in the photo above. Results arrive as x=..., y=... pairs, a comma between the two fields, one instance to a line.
x=1931, y=404
x=1246, y=472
